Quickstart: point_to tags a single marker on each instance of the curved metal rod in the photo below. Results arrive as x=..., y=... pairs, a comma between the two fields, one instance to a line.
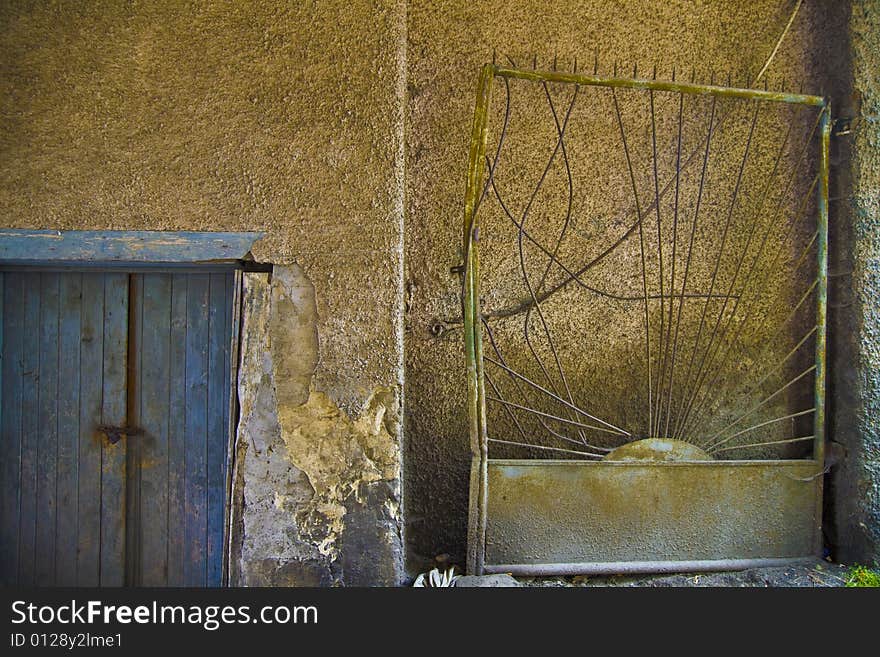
x=525, y=275
x=674, y=249
x=687, y=264
x=748, y=315
x=773, y=370
x=764, y=401
x=629, y=232
x=516, y=378
x=758, y=426
x=550, y=416
x=753, y=266
x=769, y=442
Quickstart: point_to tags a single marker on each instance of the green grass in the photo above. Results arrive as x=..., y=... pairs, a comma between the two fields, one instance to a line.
x=862, y=576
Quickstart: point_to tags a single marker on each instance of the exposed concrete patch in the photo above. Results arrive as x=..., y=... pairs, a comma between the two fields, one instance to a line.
x=486, y=581
x=307, y=471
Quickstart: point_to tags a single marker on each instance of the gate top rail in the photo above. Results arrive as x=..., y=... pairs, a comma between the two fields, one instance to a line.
x=659, y=85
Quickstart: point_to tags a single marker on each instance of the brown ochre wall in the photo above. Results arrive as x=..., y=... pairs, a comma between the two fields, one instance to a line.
x=323, y=124
x=447, y=43
x=280, y=117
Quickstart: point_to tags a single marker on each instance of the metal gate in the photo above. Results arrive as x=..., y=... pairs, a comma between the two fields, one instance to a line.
x=644, y=323
x=115, y=426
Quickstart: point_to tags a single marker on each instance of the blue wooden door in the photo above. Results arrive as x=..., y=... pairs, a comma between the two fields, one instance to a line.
x=114, y=427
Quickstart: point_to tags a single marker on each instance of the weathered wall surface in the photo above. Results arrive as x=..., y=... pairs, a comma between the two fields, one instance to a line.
x=289, y=118
x=282, y=117
x=315, y=489
x=447, y=44
x=854, y=523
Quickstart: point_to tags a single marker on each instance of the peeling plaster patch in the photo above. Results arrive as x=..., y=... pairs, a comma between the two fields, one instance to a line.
x=337, y=455
x=269, y=487
x=304, y=463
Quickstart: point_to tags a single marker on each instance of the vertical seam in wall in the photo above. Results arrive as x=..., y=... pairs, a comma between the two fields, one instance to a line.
x=400, y=210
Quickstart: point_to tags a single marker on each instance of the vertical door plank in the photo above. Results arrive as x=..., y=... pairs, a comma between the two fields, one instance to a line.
x=10, y=432
x=27, y=534
x=66, y=538
x=91, y=393
x=197, y=325
x=47, y=461
x=114, y=413
x=177, y=431
x=155, y=415
x=218, y=377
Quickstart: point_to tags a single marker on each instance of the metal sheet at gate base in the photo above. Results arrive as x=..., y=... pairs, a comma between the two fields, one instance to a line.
x=558, y=514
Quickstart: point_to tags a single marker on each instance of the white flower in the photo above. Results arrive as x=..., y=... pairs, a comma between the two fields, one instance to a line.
x=436, y=579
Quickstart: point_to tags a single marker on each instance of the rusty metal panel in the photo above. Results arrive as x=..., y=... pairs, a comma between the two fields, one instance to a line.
x=547, y=517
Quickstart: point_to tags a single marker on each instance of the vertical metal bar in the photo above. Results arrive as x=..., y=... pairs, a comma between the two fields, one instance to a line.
x=133, y=451
x=641, y=216
x=821, y=311
x=473, y=340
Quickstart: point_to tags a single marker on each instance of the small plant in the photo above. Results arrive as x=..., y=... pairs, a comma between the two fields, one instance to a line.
x=859, y=576
x=436, y=579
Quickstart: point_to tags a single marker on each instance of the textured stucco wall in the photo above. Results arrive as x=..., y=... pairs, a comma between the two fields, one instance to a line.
x=288, y=117
x=282, y=117
x=854, y=520
x=447, y=44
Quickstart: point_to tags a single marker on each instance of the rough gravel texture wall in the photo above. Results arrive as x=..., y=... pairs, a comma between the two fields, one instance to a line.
x=447, y=44
x=853, y=521
x=292, y=119
x=281, y=117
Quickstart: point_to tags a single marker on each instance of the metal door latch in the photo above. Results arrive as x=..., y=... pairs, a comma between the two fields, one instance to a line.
x=115, y=434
